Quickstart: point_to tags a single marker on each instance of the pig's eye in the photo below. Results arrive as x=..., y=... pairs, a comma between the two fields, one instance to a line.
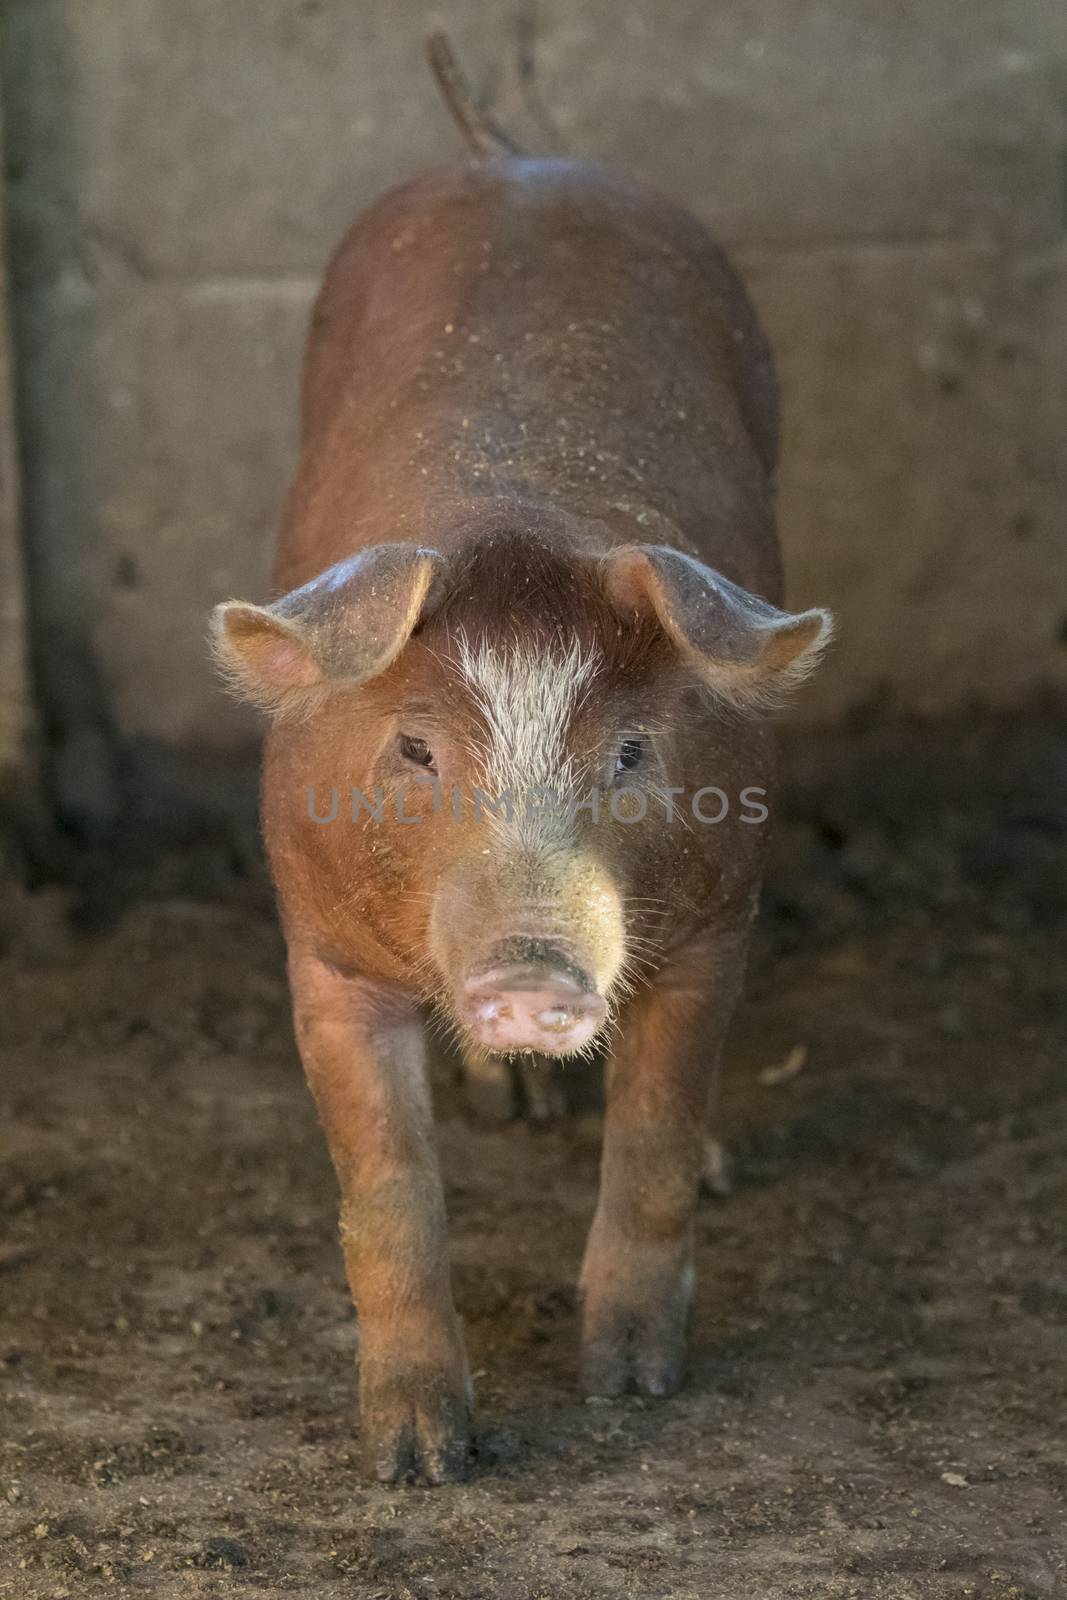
x=416, y=750
x=631, y=754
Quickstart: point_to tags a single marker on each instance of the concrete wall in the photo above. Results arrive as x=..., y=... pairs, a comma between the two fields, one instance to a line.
x=15, y=699
x=889, y=177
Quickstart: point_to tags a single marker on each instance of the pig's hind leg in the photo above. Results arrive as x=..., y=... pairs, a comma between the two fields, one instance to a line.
x=488, y=1085
x=544, y=1098
x=364, y=1056
x=499, y=1088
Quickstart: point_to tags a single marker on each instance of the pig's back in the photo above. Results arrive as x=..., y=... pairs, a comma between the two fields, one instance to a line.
x=538, y=328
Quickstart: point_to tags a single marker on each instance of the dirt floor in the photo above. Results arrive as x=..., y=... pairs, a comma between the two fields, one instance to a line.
x=876, y=1401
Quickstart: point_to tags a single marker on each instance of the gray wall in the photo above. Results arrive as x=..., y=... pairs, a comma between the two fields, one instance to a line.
x=889, y=177
x=15, y=699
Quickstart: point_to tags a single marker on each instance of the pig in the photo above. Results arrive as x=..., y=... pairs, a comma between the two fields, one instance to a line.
x=529, y=551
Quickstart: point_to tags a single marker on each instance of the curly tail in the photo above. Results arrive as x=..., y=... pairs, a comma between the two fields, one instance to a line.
x=477, y=127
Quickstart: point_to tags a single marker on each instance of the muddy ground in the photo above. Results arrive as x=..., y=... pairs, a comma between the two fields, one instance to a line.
x=876, y=1401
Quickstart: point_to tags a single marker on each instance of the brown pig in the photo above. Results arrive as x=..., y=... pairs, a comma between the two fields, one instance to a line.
x=518, y=756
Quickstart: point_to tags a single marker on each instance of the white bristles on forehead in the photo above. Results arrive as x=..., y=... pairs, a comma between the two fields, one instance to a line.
x=527, y=696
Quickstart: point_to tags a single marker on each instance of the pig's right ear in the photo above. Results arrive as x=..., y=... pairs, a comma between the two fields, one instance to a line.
x=342, y=628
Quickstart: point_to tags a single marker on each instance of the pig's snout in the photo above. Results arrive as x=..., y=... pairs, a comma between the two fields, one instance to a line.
x=529, y=950
x=537, y=1005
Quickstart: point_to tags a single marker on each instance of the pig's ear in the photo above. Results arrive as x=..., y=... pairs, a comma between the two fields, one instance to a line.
x=748, y=652
x=342, y=628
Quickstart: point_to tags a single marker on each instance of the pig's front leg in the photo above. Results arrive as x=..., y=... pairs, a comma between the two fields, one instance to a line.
x=637, y=1275
x=363, y=1052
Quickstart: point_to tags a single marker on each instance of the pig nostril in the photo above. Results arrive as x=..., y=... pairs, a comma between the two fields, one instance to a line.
x=557, y=1019
x=493, y=1009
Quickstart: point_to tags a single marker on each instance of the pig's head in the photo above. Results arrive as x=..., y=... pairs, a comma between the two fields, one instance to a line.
x=515, y=713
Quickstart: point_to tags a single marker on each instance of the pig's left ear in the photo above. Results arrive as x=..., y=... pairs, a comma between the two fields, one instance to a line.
x=748, y=652
x=342, y=628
